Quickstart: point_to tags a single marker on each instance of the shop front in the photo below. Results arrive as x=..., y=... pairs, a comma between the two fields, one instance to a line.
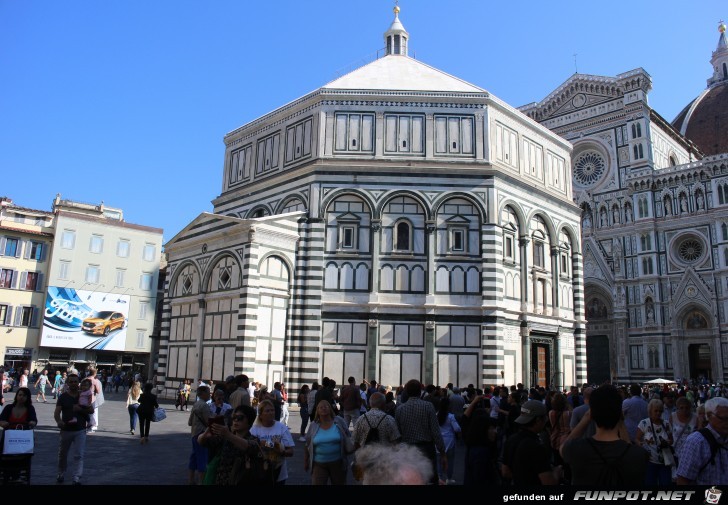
x=17, y=358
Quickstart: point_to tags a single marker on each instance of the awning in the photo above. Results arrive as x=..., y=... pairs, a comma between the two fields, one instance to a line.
x=80, y=361
x=126, y=364
x=65, y=363
x=137, y=363
x=106, y=363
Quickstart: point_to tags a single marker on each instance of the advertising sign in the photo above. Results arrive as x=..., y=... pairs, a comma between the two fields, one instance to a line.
x=79, y=319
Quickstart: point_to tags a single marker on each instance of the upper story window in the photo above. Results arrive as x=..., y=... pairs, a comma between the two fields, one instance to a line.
x=145, y=282
x=93, y=272
x=402, y=236
x=64, y=269
x=404, y=133
x=122, y=248
x=642, y=208
x=457, y=239
x=10, y=247
x=149, y=252
x=506, y=145
x=532, y=162
x=267, y=154
x=298, y=140
x=120, y=273
x=35, y=251
x=347, y=236
x=636, y=130
x=68, y=239
x=30, y=281
x=454, y=135
x=143, y=309
x=647, y=266
x=354, y=133
x=539, y=258
x=8, y=278
x=240, y=163
x=646, y=242
x=638, y=152
x=97, y=244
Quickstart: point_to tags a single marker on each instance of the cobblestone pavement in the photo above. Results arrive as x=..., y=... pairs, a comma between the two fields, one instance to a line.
x=115, y=457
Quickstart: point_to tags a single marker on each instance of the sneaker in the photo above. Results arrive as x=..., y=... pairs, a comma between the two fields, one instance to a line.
x=60, y=478
x=131, y=431
x=302, y=439
x=76, y=481
x=451, y=482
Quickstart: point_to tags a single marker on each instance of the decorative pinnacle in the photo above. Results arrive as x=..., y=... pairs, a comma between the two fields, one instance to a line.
x=396, y=8
x=721, y=26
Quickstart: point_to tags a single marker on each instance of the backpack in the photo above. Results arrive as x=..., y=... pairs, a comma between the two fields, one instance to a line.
x=373, y=433
x=714, y=447
x=611, y=475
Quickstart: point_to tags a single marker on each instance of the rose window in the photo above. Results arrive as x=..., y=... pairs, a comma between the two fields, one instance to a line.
x=589, y=168
x=690, y=250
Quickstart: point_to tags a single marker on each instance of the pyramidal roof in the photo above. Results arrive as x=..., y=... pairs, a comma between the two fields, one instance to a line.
x=399, y=72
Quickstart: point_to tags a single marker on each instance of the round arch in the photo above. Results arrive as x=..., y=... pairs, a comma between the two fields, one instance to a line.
x=287, y=201
x=443, y=199
x=178, y=271
x=522, y=219
x=399, y=193
x=336, y=194
x=211, y=264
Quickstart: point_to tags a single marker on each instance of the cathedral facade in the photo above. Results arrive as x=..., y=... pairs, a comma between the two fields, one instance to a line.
x=654, y=201
x=396, y=223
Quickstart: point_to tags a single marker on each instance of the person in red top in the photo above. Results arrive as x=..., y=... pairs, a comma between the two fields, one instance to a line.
x=19, y=413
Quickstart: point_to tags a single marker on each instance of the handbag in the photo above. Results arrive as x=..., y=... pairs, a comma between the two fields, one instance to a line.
x=19, y=441
x=159, y=415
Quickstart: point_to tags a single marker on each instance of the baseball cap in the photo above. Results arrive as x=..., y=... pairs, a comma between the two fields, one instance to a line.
x=530, y=411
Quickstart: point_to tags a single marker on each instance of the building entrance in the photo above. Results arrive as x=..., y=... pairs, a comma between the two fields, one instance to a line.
x=597, y=359
x=700, y=359
x=540, y=364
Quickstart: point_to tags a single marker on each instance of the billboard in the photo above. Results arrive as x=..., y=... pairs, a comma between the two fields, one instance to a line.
x=79, y=319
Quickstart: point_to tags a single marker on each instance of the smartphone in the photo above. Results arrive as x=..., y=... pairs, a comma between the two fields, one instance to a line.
x=216, y=420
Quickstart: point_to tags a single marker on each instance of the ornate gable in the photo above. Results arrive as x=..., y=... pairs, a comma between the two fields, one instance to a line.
x=595, y=265
x=691, y=289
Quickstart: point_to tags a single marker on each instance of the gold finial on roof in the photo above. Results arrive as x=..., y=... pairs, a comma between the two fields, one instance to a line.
x=396, y=8
x=721, y=26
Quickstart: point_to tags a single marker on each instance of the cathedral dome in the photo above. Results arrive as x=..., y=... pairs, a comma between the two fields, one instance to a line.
x=705, y=119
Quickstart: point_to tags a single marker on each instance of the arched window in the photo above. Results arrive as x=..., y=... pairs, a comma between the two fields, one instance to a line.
x=646, y=242
x=642, y=206
x=673, y=161
x=725, y=256
x=724, y=228
x=647, y=266
x=403, y=236
x=725, y=71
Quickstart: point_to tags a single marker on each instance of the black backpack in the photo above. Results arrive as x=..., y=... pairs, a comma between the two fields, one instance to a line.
x=714, y=447
x=611, y=474
x=373, y=433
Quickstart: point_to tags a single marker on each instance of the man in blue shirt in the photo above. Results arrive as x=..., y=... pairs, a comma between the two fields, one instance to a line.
x=698, y=463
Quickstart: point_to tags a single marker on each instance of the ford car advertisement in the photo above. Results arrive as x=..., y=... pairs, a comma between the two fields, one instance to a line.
x=81, y=319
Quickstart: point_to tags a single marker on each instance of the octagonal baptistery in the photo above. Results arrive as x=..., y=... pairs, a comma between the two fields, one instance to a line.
x=396, y=223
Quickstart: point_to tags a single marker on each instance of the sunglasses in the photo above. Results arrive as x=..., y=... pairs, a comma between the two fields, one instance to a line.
x=239, y=418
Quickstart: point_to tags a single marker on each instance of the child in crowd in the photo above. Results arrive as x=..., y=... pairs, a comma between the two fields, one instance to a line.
x=86, y=399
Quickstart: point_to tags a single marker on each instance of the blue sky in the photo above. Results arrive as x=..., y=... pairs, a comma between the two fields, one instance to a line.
x=128, y=101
